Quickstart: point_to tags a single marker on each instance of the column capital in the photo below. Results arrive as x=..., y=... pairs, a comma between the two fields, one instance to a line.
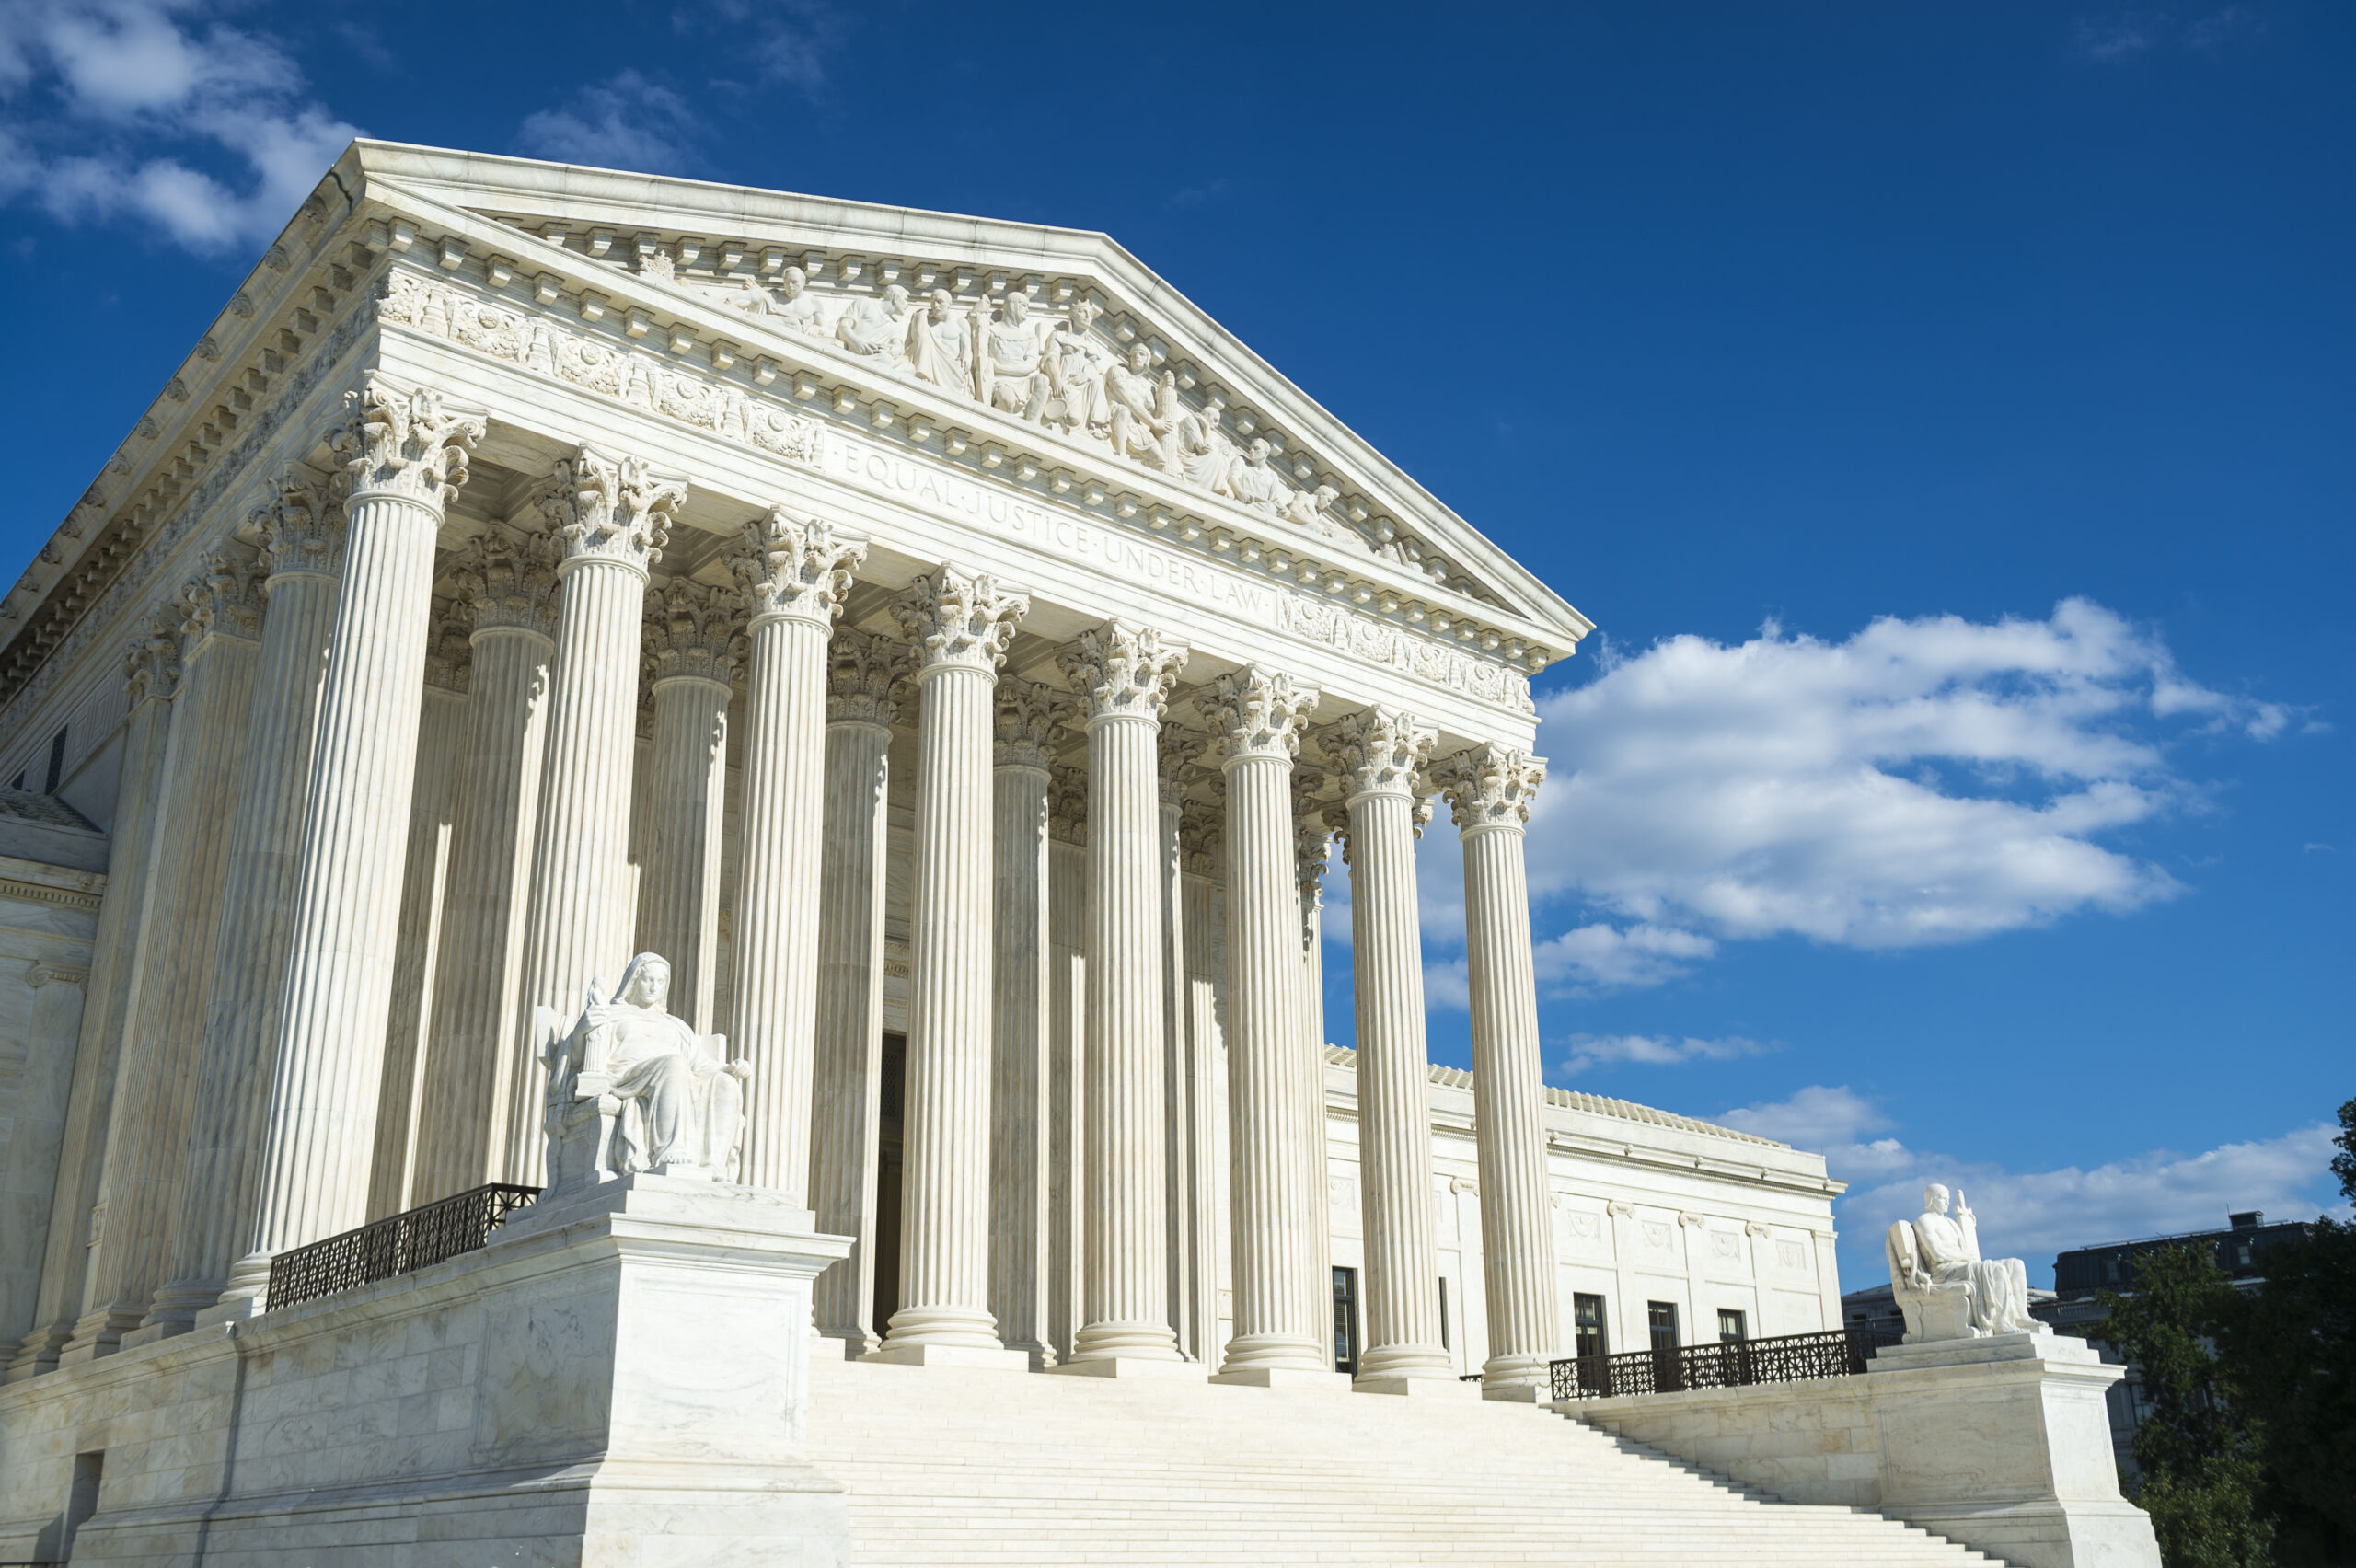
x=405, y=443
x=1201, y=840
x=1173, y=762
x=1380, y=751
x=1257, y=713
x=1490, y=786
x=151, y=663
x=1067, y=804
x=302, y=524
x=959, y=620
x=692, y=633
x=1121, y=671
x=224, y=599
x=1310, y=839
x=610, y=509
x=449, y=656
x=867, y=678
x=795, y=569
x=1029, y=718
x=509, y=583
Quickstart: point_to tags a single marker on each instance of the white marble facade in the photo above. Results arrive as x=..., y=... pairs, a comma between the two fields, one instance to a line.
x=954, y=654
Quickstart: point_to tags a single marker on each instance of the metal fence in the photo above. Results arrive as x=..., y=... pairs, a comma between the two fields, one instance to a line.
x=1787, y=1359
x=394, y=1246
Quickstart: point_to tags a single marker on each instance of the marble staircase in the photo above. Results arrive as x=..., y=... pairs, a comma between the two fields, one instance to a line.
x=951, y=1466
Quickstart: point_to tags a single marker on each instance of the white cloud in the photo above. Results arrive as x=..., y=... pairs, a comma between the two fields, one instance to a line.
x=1654, y=1050
x=1925, y=781
x=2035, y=1214
x=149, y=109
x=627, y=122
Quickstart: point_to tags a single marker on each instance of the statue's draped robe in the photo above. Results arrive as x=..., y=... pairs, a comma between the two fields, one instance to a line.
x=680, y=1105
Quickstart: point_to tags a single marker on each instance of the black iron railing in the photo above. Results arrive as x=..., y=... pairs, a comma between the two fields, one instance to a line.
x=394, y=1246
x=1787, y=1359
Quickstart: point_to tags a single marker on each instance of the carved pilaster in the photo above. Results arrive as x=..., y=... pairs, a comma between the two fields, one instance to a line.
x=693, y=632
x=959, y=619
x=1029, y=718
x=1120, y=670
x=302, y=526
x=868, y=679
x=506, y=581
x=610, y=509
x=151, y=665
x=1256, y=712
x=798, y=570
x=1490, y=786
x=405, y=443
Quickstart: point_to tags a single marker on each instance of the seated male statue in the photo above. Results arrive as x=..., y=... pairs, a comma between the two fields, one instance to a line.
x=632, y=1087
x=1945, y=1288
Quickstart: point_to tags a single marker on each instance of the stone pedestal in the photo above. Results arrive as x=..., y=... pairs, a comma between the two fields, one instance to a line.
x=2001, y=1443
x=606, y=1383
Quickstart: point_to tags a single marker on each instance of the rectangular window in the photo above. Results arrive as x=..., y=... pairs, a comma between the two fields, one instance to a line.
x=1661, y=1317
x=1588, y=1333
x=1731, y=1329
x=1346, y=1321
x=1443, y=1314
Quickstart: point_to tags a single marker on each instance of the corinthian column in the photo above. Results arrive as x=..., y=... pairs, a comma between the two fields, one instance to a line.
x=1380, y=750
x=795, y=575
x=155, y=1104
x=302, y=533
x=1123, y=674
x=1311, y=841
x=867, y=681
x=476, y=1104
x=613, y=516
x=961, y=623
x=1067, y=1049
x=1028, y=716
x=1276, y=1199
x=691, y=635
x=1490, y=788
x=1173, y=762
x=407, y=456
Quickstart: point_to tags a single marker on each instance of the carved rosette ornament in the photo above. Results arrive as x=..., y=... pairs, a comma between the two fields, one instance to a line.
x=1121, y=671
x=610, y=509
x=692, y=633
x=959, y=620
x=1256, y=712
x=1175, y=763
x=1067, y=804
x=867, y=679
x=405, y=443
x=1490, y=786
x=510, y=583
x=797, y=569
x=302, y=524
x=1029, y=718
x=224, y=600
x=151, y=665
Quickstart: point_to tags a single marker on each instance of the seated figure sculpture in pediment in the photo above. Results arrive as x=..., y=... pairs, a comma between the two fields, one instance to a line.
x=632, y=1088
x=1010, y=357
x=1947, y=1290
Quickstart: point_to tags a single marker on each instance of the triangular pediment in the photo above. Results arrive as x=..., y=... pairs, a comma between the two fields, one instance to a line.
x=1061, y=330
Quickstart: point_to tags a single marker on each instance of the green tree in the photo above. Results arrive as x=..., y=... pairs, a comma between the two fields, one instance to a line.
x=2195, y=1448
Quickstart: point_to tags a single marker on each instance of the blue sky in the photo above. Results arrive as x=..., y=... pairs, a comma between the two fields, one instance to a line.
x=1943, y=410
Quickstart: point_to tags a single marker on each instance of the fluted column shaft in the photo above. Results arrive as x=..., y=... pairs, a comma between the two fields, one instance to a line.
x=962, y=625
x=1310, y=845
x=678, y=884
x=796, y=573
x=847, y=1078
x=1178, y=1210
x=1491, y=790
x=1394, y=1107
x=1124, y=674
x=1018, y=1084
x=408, y=457
x=154, y=1105
x=304, y=533
x=1067, y=1054
x=478, y=1112
x=1207, y=1248
x=1277, y=1202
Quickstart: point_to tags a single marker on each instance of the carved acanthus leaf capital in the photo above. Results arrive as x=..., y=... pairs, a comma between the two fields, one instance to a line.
x=1490, y=786
x=1029, y=717
x=1201, y=840
x=796, y=568
x=610, y=509
x=225, y=599
x=1380, y=751
x=510, y=582
x=302, y=524
x=959, y=619
x=1120, y=670
x=1067, y=804
x=405, y=443
x=693, y=632
x=1175, y=753
x=867, y=678
x=1310, y=839
x=1257, y=712
x=449, y=656
x=151, y=665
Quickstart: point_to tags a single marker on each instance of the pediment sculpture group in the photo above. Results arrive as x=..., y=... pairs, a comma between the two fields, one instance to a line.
x=1056, y=373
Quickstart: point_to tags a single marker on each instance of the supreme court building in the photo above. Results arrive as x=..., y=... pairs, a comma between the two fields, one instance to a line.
x=966, y=665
